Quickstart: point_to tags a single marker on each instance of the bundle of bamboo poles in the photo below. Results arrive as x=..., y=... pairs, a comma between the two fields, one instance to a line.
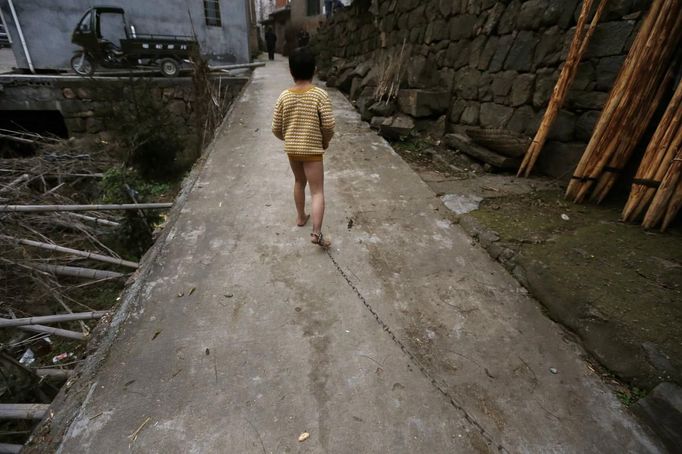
x=636, y=94
x=668, y=198
x=578, y=47
x=659, y=164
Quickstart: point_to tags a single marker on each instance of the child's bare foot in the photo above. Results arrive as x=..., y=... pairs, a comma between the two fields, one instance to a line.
x=303, y=222
x=320, y=240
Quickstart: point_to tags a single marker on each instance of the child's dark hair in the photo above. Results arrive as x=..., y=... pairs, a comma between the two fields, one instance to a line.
x=302, y=63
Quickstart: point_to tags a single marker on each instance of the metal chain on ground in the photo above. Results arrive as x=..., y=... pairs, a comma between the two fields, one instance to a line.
x=414, y=360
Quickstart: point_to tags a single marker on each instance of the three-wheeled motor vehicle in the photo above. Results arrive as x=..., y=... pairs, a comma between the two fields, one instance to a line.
x=100, y=27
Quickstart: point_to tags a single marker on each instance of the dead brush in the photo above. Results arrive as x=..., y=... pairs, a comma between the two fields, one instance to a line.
x=211, y=100
x=60, y=172
x=391, y=70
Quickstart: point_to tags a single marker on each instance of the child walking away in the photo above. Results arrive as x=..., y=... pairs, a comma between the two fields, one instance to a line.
x=303, y=119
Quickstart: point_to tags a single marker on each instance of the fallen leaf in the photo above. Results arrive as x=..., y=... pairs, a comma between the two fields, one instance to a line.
x=303, y=437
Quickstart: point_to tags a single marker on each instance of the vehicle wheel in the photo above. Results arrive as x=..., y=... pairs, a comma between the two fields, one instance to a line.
x=82, y=64
x=169, y=67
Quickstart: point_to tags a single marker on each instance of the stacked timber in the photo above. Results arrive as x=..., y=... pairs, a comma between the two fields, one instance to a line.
x=657, y=187
x=638, y=91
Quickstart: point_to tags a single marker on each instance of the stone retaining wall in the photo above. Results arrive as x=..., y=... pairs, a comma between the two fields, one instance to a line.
x=495, y=61
x=86, y=104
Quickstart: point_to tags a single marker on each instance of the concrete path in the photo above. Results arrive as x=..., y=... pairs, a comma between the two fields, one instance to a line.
x=405, y=338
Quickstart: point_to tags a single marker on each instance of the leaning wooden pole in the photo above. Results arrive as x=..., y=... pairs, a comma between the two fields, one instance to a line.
x=649, y=70
x=658, y=151
x=568, y=72
x=8, y=322
x=66, y=250
x=42, y=208
x=610, y=113
x=673, y=207
x=666, y=191
x=628, y=141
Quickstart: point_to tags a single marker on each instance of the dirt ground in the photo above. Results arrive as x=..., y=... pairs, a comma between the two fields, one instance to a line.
x=616, y=286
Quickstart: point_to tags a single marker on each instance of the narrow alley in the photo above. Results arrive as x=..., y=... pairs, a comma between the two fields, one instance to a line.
x=405, y=337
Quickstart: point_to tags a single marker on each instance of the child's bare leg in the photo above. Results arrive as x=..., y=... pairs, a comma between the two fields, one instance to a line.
x=314, y=172
x=300, y=181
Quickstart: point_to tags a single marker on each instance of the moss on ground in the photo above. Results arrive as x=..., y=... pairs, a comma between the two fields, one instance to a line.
x=618, y=278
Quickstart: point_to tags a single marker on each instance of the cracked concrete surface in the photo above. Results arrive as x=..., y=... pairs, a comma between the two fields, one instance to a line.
x=404, y=338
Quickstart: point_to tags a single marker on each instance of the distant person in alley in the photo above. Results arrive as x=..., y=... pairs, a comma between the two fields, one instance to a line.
x=304, y=120
x=270, y=41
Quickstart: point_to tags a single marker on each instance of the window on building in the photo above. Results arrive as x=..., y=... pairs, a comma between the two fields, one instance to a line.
x=212, y=12
x=313, y=7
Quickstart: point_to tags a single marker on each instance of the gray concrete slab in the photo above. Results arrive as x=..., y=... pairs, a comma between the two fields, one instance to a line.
x=404, y=338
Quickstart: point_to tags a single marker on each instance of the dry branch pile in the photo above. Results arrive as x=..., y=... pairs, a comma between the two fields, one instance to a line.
x=212, y=100
x=51, y=266
x=391, y=69
x=42, y=254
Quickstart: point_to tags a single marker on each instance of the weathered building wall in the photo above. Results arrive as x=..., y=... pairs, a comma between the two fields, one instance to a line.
x=47, y=26
x=300, y=17
x=496, y=61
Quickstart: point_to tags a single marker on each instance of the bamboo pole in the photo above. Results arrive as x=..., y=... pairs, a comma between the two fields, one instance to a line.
x=23, y=411
x=41, y=208
x=613, y=101
x=655, y=154
x=662, y=166
x=95, y=220
x=568, y=72
x=14, y=182
x=8, y=322
x=54, y=331
x=627, y=143
x=66, y=250
x=237, y=66
x=76, y=271
x=673, y=207
x=636, y=113
x=64, y=374
x=30, y=134
x=74, y=175
x=648, y=68
x=658, y=208
x=16, y=138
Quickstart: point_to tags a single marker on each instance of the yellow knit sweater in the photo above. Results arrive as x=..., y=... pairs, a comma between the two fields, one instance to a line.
x=304, y=121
